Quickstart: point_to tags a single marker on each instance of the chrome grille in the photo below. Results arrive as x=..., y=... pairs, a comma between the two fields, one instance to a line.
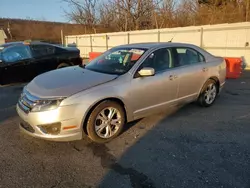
x=27, y=101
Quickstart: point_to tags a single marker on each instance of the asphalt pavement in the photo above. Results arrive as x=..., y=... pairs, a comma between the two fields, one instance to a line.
x=187, y=147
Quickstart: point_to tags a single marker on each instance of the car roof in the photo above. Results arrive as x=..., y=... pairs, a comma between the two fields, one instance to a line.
x=151, y=45
x=155, y=45
x=22, y=43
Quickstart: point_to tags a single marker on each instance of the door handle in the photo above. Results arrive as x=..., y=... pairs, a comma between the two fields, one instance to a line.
x=204, y=69
x=172, y=77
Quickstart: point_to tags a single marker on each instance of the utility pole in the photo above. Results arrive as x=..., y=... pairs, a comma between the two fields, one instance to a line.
x=9, y=31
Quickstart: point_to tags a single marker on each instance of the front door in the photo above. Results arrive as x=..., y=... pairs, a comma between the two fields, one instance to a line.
x=153, y=94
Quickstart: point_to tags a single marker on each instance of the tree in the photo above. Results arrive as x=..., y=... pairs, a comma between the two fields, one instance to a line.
x=83, y=12
x=126, y=15
x=166, y=13
x=133, y=14
x=217, y=2
x=107, y=16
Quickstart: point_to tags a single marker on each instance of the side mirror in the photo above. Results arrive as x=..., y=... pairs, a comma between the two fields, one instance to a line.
x=147, y=71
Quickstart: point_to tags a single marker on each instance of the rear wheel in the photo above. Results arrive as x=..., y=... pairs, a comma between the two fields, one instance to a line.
x=209, y=94
x=105, y=122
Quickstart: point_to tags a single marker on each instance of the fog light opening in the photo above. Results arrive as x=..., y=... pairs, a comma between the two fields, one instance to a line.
x=52, y=129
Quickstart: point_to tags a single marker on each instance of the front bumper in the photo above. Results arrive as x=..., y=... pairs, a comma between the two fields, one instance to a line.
x=31, y=121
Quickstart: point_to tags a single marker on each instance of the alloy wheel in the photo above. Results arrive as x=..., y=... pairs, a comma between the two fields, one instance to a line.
x=210, y=93
x=107, y=122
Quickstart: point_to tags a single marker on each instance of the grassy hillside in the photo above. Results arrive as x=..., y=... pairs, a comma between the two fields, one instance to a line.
x=42, y=30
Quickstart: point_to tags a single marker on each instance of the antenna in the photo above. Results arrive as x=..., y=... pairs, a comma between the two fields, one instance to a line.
x=172, y=38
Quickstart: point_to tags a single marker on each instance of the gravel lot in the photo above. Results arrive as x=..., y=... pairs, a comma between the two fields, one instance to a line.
x=190, y=147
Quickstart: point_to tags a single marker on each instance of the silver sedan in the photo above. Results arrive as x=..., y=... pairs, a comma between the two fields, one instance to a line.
x=125, y=83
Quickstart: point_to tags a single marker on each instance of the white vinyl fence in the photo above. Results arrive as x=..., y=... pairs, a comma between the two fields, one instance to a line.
x=227, y=40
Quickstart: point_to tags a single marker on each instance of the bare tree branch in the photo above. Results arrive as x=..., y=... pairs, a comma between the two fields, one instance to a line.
x=125, y=15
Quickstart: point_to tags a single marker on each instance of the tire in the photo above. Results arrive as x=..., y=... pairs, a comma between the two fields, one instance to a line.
x=209, y=91
x=62, y=65
x=98, y=119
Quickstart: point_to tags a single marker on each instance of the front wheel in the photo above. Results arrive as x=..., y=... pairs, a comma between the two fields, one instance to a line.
x=208, y=94
x=105, y=122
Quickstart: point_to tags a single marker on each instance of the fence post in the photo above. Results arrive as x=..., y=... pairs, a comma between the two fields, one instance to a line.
x=65, y=41
x=107, y=45
x=201, y=39
x=62, y=38
x=159, y=36
x=76, y=41
x=91, y=46
x=128, y=38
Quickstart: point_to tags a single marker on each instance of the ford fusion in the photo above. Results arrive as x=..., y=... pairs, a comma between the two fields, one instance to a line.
x=125, y=83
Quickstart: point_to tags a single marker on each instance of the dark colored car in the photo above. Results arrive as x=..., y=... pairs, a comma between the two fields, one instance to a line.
x=22, y=61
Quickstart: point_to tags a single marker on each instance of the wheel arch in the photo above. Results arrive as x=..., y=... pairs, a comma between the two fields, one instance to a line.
x=216, y=79
x=92, y=107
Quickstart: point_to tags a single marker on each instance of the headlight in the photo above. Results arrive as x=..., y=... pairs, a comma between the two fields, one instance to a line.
x=45, y=105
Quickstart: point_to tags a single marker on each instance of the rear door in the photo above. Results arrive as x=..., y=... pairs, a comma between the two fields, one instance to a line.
x=45, y=58
x=193, y=72
x=68, y=55
x=16, y=64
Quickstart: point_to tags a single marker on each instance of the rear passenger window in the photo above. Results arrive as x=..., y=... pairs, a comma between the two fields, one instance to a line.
x=187, y=56
x=42, y=50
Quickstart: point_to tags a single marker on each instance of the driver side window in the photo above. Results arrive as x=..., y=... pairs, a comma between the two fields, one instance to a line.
x=160, y=60
x=16, y=53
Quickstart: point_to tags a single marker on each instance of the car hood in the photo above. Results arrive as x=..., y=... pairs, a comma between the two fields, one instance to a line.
x=66, y=81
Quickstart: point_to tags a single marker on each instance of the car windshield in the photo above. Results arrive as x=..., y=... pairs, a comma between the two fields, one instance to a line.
x=116, y=61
